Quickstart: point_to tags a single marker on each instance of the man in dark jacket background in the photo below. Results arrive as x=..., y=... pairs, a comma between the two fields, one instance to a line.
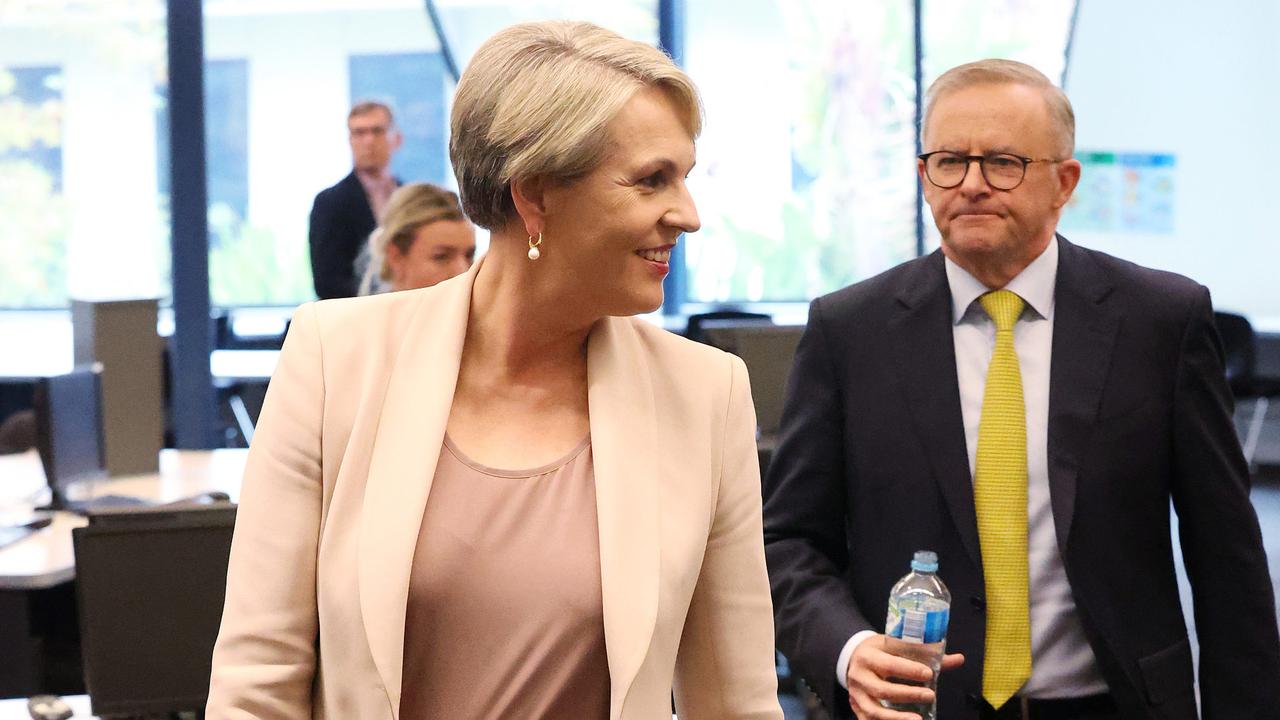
x=343, y=215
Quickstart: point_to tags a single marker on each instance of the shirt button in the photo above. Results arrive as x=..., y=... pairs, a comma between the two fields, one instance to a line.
x=978, y=602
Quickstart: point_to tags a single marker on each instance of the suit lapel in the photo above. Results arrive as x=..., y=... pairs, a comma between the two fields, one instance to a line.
x=1084, y=335
x=624, y=436
x=415, y=412
x=358, y=202
x=925, y=358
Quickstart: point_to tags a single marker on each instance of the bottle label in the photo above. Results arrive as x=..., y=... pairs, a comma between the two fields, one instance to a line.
x=916, y=625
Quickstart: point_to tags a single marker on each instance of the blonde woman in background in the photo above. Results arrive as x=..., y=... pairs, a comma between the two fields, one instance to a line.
x=424, y=239
x=505, y=496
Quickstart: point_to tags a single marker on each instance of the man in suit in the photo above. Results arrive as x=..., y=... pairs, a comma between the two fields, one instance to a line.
x=343, y=215
x=1028, y=409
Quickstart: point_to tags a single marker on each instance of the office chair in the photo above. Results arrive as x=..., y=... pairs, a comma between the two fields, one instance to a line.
x=234, y=422
x=695, y=329
x=1239, y=345
x=150, y=586
x=225, y=336
x=18, y=432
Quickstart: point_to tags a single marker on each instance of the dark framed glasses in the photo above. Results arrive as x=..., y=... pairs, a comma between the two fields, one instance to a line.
x=1002, y=171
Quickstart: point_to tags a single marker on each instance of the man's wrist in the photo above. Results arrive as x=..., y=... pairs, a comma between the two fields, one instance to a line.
x=846, y=654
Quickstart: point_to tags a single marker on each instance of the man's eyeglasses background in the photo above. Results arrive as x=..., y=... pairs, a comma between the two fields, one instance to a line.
x=1002, y=171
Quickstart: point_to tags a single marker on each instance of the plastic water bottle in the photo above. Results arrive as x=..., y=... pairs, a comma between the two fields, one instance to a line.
x=916, y=629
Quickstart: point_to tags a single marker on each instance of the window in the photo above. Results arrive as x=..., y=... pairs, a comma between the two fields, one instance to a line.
x=467, y=23
x=226, y=119
x=1031, y=31
x=806, y=171
x=231, y=243
x=1035, y=32
x=32, y=234
x=80, y=211
x=238, y=267
x=414, y=86
x=806, y=178
x=279, y=82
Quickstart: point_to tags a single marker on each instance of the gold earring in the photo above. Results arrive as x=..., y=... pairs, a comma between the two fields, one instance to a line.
x=534, y=252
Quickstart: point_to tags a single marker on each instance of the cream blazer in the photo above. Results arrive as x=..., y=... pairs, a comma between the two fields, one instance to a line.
x=340, y=472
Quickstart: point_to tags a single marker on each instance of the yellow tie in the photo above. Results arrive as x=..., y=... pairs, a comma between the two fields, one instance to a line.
x=1000, y=498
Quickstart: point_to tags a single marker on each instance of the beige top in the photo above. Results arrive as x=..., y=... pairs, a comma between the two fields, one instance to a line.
x=505, y=616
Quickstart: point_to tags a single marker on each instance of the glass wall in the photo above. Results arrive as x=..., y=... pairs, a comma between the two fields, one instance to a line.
x=468, y=23
x=805, y=178
x=279, y=80
x=416, y=86
x=1036, y=32
x=82, y=213
x=806, y=172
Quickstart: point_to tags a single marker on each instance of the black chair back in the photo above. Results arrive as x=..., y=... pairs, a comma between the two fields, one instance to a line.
x=1239, y=345
x=695, y=330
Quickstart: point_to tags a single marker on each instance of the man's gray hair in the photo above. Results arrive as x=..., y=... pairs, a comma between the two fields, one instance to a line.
x=995, y=71
x=364, y=107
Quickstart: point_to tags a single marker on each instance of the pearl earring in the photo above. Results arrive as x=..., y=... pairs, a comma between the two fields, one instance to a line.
x=534, y=252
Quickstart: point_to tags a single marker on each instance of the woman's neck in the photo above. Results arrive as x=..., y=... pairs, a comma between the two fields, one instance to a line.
x=520, y=323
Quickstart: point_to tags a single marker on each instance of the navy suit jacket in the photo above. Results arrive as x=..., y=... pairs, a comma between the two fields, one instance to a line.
x=341, y=220
x=871, y=465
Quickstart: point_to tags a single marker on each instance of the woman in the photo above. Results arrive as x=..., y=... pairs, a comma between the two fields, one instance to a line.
x=424, y=239
x=503, y=496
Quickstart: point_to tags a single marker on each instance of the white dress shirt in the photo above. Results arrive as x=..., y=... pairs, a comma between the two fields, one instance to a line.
x=1062, y=663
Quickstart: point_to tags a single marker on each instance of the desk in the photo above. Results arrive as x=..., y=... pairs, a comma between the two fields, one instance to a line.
x=45, y=558
x=35, y=572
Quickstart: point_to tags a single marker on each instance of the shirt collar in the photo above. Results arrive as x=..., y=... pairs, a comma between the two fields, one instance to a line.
x=374, y=178
x=1035, y=284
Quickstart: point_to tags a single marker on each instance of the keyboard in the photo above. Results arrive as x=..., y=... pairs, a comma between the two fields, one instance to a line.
x=10, y=534
x=106, y=502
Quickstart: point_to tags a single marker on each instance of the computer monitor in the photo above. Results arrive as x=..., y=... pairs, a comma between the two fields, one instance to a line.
x=150, y=585
x=767, y=351
x=69, y=435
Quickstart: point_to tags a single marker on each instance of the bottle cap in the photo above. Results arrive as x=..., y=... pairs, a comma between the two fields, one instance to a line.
x=925, y=561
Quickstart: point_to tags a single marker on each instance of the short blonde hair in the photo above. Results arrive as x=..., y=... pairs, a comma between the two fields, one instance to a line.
x=410, y=208
x=536, y=100
x=995, y=71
